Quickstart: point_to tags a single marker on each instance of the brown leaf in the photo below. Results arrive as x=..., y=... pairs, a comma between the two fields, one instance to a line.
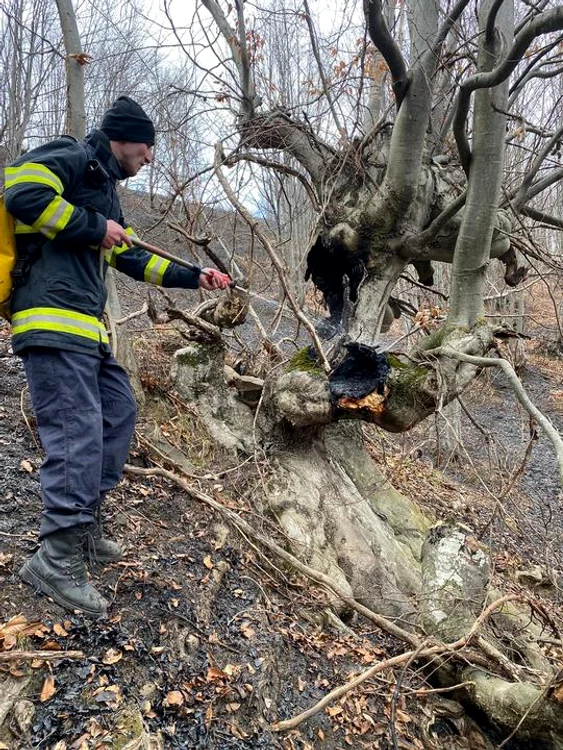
x=208, y=562
x=5, y=559
x=334, y=710
x=9, y=642
x=214, y=673
x=112, y=656
x=59, y=630
x=27, y=466
x=52, y=646
x=247, y=630
x=48, y=690
x=174, y=698
x=209, y=715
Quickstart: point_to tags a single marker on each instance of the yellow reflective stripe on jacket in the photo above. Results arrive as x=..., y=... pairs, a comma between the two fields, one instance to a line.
x=54, y=218
x=110, y=253
x=155, y=269
x=32, y=172
x=22, y=228
x=59, y=321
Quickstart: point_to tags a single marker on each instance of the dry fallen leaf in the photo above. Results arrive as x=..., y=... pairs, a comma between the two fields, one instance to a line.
x=8, y=642
x=214, y=673
x=48, y=690
x=208, y=562
x=247, y=630
x=112, y=656
x=27, y=466
x=5, y=559
x=174, y=698
x=59, y=630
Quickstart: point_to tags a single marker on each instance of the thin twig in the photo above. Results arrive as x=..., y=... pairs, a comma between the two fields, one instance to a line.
x=42, y=655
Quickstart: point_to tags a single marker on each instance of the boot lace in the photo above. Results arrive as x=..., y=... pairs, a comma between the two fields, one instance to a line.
x=76, y=567
x=89, y=547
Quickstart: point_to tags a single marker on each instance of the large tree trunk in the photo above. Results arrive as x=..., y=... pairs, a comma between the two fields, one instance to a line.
x=342, y=518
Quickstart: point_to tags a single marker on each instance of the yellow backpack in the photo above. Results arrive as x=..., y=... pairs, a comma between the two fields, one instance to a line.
x=7, y=258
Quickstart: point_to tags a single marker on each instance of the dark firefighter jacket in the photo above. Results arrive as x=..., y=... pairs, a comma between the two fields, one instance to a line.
x=61, y=195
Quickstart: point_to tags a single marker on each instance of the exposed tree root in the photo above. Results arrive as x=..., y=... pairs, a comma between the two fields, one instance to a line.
x=473, y=665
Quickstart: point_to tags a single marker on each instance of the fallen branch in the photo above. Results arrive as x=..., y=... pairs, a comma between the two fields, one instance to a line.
x=419, y=649
x=419, y=653
x=42, y=655
x=314, y=575
x=521, y=395
x=132, y=315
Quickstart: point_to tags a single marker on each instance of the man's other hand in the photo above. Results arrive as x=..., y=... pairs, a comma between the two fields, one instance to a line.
x=211, y=278
x=115, y=235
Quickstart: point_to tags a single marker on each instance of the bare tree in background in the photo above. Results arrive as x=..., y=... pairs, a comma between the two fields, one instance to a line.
x=29, y=63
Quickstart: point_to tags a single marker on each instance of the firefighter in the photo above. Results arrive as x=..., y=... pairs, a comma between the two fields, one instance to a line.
x=69, y=227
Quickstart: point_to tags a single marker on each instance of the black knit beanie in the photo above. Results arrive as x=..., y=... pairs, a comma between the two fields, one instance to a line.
x=127, y=121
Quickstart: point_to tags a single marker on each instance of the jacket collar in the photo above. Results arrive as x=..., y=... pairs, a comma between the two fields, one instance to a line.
x=99, y=143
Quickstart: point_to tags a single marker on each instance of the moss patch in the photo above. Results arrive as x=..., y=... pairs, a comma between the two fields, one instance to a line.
x=306, y=361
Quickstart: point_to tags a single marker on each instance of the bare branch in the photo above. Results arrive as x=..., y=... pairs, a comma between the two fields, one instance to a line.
x=389, y=49
x=326, y=89
x=491, y=21
x=535, y=167
x=521, y=80
x=278, y=167
x=277, y=130
x=446, y=27
x=8, y=656
x=266, y=244
x=521, y=395
x=550, y=179
x=414, y=244
x=541, y=216
x=238, y=51
x=551, y=20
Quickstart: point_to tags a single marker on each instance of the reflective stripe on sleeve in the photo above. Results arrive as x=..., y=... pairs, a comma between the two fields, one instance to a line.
x=59, y=321
x=110, y=255
x=54, y=218
x=22, y=228
x=32, y=172
x=155, y=269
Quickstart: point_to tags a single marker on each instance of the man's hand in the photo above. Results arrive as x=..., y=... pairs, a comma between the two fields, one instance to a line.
x=115, y=235
x=211, y=278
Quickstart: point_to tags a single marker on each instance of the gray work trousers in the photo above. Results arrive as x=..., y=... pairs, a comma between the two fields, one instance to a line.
x=85, y=412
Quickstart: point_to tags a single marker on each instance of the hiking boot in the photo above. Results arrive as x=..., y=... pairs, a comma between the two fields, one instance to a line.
x=97, y=547
x=58, y=570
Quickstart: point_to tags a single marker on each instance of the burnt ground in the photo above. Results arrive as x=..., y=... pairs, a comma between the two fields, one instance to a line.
x=208, y=640
x=207, y=643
